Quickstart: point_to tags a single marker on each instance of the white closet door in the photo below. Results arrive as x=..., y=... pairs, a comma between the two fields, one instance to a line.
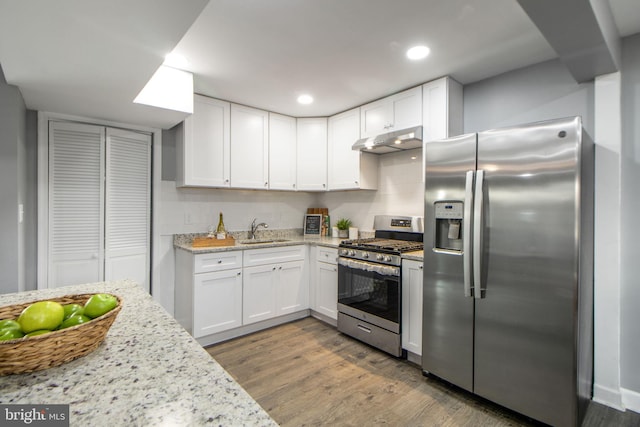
x=127, y=206
x=76, y=204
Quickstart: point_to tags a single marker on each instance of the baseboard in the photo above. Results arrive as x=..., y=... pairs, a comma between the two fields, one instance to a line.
x=326, y=319
x=251, y=328
x=609, y=397
x=631, y=400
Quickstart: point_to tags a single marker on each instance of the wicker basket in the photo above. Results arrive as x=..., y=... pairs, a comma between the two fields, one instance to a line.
x=55, y=348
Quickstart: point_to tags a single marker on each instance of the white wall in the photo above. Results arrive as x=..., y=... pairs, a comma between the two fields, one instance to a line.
x=13, y=188
x=400, y=192
x=630, y=208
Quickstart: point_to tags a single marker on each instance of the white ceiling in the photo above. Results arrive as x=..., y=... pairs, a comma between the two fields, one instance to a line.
x=92, y=57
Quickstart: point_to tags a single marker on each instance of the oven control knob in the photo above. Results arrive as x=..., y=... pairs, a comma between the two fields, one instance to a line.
x=365, y=254
x=387, y=258
x=352, y=253
x=344, y=252
x=379, y=257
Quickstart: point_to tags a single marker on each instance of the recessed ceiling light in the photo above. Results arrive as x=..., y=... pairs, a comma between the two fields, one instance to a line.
x=305, y=99
x=175, y=60
x=418, y=52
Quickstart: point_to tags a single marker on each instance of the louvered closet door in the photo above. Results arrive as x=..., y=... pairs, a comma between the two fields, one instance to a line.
x=76, y=210
x=127, y=206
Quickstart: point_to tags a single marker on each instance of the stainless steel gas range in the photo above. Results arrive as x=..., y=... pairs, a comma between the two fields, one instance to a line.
x=370, y=282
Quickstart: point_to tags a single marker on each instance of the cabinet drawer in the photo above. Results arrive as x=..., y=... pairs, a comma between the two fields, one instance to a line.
x=254, y=257
x=329, y=255
x=217, y=261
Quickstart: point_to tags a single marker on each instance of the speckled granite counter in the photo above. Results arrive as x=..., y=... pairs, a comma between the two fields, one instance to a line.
x=148, y=372
x=415, y=255
x=184, y=242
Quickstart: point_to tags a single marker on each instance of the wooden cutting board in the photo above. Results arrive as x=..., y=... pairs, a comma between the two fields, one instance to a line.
x=207, y=242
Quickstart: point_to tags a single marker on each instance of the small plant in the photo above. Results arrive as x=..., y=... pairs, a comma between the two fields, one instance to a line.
x=343, y=224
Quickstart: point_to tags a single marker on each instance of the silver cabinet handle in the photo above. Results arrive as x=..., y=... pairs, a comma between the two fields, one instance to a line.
x=477, y=235
x=219, y=261
x=467, y=257
x=239, y=273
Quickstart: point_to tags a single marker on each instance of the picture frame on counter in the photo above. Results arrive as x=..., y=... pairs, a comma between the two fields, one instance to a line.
x=312, y=224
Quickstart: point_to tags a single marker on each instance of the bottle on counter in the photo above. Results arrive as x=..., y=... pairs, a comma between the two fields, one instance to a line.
x=221, y=233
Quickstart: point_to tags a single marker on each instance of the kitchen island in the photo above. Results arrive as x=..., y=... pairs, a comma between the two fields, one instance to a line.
x=148, y=371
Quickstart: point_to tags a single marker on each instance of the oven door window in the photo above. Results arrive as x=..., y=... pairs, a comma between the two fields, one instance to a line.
x=370, y=292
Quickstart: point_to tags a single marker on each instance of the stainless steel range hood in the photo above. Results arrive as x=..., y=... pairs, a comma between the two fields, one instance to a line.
x=405, y=139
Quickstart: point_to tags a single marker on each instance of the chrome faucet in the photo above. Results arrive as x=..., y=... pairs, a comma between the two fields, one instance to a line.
x=254, y=228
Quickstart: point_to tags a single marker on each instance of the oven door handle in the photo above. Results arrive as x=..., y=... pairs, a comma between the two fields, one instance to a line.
x=385, y=270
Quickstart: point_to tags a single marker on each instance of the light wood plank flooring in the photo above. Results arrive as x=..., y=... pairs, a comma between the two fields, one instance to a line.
x=306, y=373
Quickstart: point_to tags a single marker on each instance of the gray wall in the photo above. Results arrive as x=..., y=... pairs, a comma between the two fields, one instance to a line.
x=12, y=187
x=630, y=248
x=540, y=92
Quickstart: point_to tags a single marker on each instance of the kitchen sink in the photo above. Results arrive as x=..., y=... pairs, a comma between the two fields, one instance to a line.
x=262, y=241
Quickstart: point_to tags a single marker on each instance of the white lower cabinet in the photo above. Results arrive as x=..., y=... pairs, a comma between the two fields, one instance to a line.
x=259, y=299
x=208, y=291
x=217, y=302
x=412, y=306
x=326, y=282
x=275, y=283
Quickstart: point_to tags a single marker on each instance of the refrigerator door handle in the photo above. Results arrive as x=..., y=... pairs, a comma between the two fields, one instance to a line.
x=467, y=256
x=477, y=234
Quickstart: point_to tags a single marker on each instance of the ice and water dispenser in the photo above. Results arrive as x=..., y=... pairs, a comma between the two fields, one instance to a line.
x=448, y=216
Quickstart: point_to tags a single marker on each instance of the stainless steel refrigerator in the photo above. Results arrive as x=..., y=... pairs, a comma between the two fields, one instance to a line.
x=508, y=267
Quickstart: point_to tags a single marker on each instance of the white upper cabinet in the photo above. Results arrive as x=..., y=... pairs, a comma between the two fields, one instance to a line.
x=249, y=147
x=395, y=112
x=349, y=169
x=312, y=154
x=442, y=109
x=203, y=145
x=282, y=152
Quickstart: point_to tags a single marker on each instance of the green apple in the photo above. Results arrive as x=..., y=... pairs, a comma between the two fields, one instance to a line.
x=38, y=332
x=10, y=334
x=71, y=309
x=9, y=324
x=99, y=304
x=76, y=319
x=41, y=315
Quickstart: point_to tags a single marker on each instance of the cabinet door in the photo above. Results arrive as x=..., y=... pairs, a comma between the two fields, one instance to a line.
x=282, y=152
x=343, y=162
x=442, y=109
x=312, y=154
x=407, y=108
x=376, y=118
x=293, y=289
x=203, y=149
x=217, y=302
x=249, y=147
x=412, y=306
x=259, y=293
x=326, y=298
x=395, y=112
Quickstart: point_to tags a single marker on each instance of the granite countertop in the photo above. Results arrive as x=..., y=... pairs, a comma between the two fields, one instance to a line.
x=148, y=371
x=415, y=255
x=184, y=242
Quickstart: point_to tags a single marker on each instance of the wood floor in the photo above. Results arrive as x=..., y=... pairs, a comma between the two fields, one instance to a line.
x=306, y=373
